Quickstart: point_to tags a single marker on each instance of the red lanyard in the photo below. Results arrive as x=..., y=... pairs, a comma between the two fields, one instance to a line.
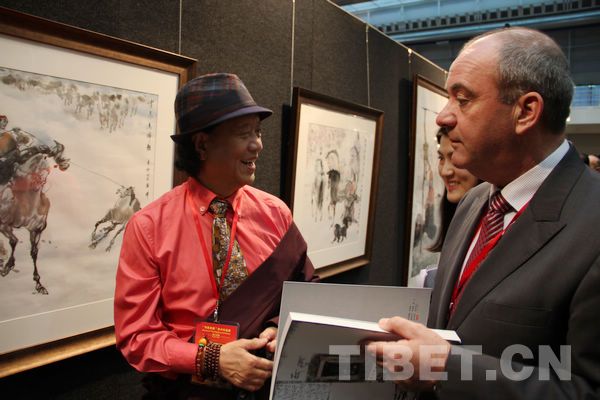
x=473, y=265
x=205, y=251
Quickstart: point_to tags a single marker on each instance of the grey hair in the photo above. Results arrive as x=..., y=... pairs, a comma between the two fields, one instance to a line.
x=530, y=61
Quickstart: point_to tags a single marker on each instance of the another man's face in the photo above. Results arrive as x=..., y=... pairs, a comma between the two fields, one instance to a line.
x=479, y=125
x=231, y=151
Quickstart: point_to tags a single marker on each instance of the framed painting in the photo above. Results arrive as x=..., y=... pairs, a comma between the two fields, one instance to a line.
x=84, y=143
x=334, y=169
x=426, y=187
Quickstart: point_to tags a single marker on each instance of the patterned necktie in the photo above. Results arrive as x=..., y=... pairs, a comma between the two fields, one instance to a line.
x=236, y=272
x=493, y=222
x=492, y=225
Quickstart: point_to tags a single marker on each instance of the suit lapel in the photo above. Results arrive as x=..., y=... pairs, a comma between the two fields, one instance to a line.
x=529, y=234
x=452, y=256
x=523, y=239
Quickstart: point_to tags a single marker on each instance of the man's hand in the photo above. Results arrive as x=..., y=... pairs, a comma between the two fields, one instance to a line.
x=416, y=362
x=243, y=369
x=271, y=335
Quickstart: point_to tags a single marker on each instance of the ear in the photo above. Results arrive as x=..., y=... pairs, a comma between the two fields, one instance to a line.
x=200, y=141
x=528, y=112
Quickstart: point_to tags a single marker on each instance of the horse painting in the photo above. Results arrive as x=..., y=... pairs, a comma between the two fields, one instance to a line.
x=125, y=206
x=24, y=160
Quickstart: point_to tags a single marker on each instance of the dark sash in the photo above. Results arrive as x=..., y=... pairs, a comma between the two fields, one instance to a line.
x=253, y=304
x=257, y=299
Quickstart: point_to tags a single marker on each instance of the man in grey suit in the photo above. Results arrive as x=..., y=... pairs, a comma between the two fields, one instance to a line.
x=525, y=300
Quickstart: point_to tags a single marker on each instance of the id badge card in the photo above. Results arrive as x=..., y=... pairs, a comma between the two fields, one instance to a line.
x=214, y=332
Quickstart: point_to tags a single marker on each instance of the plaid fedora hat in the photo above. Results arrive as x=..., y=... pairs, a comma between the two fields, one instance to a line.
x=210, y=99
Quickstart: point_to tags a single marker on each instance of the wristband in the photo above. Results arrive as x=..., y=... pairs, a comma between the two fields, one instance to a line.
x=200, y=359
x=211, y=361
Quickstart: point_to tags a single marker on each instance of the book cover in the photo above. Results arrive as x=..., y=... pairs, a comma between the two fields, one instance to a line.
x=323, y=357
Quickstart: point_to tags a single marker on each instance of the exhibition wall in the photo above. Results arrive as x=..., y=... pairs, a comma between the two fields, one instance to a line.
x=273, y=45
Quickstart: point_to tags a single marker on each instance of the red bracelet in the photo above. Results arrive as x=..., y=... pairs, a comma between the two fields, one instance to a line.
x=211, y=361
x=200, y=362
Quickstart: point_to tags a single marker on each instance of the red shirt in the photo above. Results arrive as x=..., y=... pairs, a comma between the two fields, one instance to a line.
x=163, y=284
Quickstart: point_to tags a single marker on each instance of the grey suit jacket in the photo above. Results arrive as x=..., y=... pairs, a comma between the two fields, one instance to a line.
x=540, y=286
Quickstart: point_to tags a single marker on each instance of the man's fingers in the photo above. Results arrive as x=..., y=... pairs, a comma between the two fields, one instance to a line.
x=272, y=346
x=400, y=326
x=384, y=351
x=255, y=378
x=263, y=364
x=376, y=349
x=253, y=344
x=269, y=333
x=254, y=384
x=258, y=374
x=243, y=369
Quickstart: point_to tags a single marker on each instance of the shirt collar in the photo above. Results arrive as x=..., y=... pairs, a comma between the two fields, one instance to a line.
x=520, y=191
x=203, y=196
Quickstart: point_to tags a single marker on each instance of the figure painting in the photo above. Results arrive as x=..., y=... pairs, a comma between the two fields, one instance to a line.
x=428, y=187
x=335, y=180
x=66, y=148
x=335, y=160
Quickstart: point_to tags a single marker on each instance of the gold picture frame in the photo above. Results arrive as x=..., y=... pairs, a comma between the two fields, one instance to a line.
x=334, y=169
x=30, y=34
x=426, y=188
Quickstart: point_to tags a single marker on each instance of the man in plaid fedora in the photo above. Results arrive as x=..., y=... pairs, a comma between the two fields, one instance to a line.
x=213, y=248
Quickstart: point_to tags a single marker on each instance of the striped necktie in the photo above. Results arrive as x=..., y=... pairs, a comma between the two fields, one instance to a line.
x=492, y=224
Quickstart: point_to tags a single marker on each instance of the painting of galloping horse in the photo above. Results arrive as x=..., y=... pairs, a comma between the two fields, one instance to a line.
x=25, y=164
x=66, y=148
x=85, y=125
x=117, y=216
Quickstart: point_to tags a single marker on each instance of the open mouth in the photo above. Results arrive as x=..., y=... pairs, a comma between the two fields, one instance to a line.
x=250, y=165
x=452, y=185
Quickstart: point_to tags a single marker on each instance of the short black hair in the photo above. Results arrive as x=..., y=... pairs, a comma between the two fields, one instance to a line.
x=187, y=158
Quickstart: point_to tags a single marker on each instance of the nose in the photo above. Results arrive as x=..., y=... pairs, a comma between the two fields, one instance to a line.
x=256, y=145
x=446, y=117
x=447, y=169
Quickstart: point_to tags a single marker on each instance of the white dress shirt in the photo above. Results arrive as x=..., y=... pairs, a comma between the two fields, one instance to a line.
x=520, y=191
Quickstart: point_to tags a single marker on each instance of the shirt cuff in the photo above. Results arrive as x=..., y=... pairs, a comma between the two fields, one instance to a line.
x=183, y=357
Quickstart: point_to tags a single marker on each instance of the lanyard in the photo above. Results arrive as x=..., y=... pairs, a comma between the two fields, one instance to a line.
x=208, y=254
x=474, y=264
